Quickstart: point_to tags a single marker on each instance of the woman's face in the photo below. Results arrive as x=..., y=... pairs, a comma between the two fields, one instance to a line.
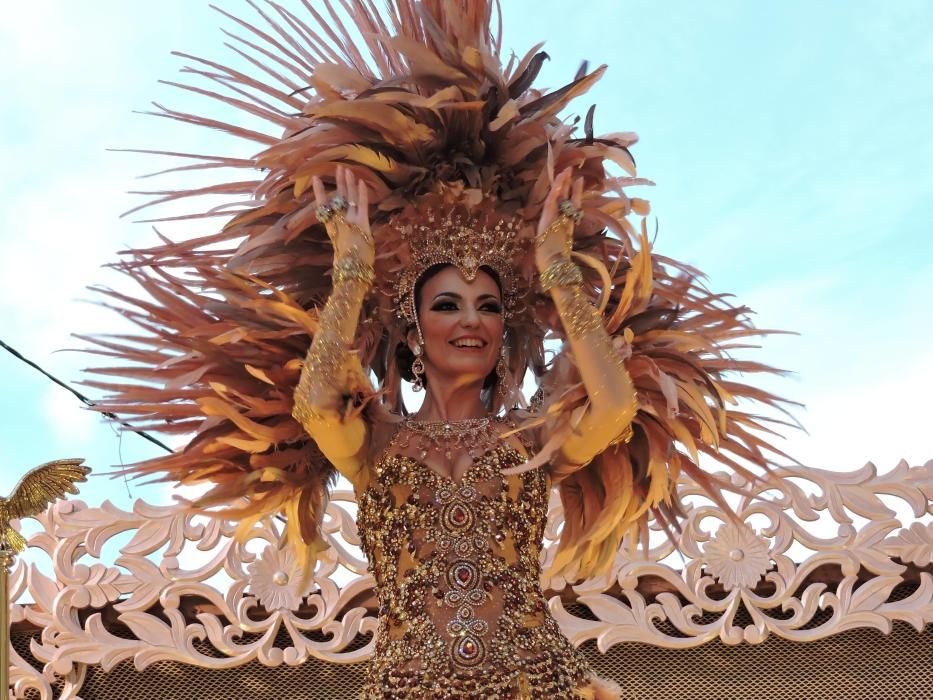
x=462, y=324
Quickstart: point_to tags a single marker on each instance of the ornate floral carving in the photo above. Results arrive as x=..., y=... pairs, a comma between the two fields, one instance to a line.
x=913, y=544
x=275, y=578
x=172, y=555
x=737, y=557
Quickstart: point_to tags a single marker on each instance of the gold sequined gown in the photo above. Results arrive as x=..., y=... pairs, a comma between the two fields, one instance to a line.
x=456, y=564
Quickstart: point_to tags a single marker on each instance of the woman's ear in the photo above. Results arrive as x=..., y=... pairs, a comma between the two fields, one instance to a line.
x=411, y=338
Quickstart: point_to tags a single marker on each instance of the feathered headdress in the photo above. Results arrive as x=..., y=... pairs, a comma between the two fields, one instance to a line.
x=429, y=118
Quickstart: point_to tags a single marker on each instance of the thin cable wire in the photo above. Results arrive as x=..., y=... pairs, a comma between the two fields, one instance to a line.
x=85, y=399
x=119, y=435
x=110, y=415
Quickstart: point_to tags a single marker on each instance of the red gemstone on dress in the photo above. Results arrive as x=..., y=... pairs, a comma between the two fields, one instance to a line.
x=469, y=647
x=463, y=574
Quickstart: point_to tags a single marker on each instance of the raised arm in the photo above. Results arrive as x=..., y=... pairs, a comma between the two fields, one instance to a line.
x=612, y=399
x=330, y=369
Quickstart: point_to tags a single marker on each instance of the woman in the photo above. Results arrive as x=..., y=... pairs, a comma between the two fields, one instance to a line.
x=452, y=539
x=466, y=224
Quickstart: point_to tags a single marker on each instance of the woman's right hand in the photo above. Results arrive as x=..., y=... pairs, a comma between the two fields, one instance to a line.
x=348, y=227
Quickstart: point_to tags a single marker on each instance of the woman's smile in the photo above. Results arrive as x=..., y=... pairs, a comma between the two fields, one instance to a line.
x=471, y=343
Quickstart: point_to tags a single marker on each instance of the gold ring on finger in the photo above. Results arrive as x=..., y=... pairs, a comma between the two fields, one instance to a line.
x=324, y=213
x=567, y=209
x=339, y=204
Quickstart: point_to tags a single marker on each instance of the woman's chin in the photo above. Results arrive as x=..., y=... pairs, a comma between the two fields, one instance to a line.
x=466, y=370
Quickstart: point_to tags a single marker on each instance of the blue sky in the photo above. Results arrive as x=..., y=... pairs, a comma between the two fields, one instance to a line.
x=790, y=144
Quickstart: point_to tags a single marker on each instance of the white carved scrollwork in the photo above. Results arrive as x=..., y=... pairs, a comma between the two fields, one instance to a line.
x=247, y=594
x=739, y=558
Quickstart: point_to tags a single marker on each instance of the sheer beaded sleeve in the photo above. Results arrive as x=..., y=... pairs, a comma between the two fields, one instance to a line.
x=332, y=374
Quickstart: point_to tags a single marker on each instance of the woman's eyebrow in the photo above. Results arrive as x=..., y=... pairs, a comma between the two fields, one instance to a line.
x=454, y=295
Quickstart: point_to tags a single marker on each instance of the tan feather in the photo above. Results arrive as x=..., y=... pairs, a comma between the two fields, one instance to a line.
x=428, y=116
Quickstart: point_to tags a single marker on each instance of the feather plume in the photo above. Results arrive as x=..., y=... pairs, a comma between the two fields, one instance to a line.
x=423, y=110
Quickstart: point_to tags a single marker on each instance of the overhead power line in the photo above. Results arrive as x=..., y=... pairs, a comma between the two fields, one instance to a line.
x=84, y=399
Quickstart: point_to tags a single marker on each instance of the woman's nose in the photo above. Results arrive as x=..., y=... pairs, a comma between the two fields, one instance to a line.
x=470, y=318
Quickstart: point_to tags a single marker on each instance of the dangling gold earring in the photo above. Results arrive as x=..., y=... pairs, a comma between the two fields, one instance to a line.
x=502, y=372
x=417, y=369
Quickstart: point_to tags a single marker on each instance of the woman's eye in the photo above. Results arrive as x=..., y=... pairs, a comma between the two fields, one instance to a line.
x=490, y=307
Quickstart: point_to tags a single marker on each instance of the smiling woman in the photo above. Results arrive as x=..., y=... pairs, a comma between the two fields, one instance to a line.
x=443, y=476
x=519, y=234
x=468, y=316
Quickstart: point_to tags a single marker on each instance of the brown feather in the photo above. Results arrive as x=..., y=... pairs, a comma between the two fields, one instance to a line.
x=429, y=117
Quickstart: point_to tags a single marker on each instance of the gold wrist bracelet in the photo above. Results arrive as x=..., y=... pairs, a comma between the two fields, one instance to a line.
x=562, y=273
x=351, y=267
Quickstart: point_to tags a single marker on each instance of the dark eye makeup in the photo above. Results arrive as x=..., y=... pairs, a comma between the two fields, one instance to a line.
x=450, y=305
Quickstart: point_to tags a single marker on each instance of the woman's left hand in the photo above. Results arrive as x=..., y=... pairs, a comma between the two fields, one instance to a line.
x=556, y=241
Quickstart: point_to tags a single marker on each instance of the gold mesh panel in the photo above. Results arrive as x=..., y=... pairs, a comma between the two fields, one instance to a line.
x=860, y=664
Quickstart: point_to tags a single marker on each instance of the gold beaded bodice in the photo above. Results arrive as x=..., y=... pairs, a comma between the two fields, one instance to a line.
x=456, y=564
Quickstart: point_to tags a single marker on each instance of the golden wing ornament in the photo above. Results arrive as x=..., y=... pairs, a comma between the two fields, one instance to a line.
x=41, y=486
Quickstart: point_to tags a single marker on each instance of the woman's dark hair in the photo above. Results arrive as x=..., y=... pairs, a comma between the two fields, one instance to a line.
x=403, y=354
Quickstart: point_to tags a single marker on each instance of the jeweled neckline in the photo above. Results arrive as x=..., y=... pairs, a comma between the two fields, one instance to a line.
x=459, y=424
x=447, y=479
x=449, y=437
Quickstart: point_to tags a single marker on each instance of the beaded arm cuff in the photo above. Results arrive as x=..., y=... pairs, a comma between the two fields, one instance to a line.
x=352, y=268
x=578, y=315
x=562, y=273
